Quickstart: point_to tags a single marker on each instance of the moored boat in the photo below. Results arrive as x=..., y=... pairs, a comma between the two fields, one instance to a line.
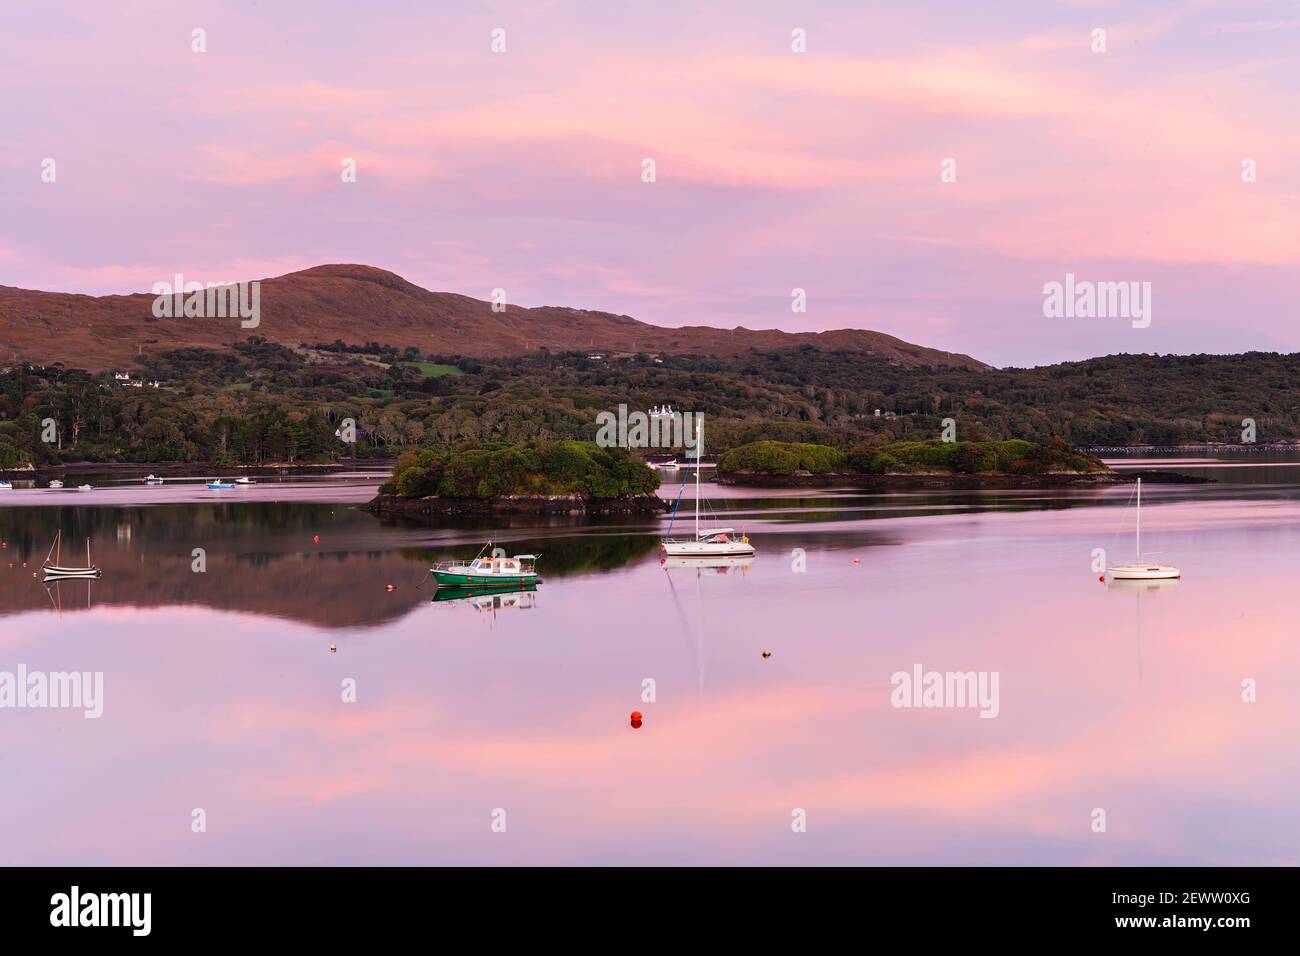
x=55, y=571
x=495, y=570
x=1141, y=570
x=56, y=484
x=219, y=484
x=152, y=480
x=6, y=486
x=708, y=542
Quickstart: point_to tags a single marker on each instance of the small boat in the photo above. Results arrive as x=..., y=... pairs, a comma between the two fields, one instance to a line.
x=520, y=571
x=85, y=487
x=1141, y=570
x=708, y=542
x=664, y=465
x=243, y=481
x=6, y=486
x=219, y=484
x=56, y=484
x=152, y=480
x=55, y=571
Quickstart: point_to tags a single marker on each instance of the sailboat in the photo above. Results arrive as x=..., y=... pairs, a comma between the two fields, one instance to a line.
x=1141, y=570
x=55, y=570
x=708, y=542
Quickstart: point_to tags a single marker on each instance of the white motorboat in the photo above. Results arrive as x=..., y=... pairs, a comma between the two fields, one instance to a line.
x=152, y=480
x=1141, y=570
x=6, y=486
x=85, y=487
x=708, y=542
x=56, y=484
x=243, y=481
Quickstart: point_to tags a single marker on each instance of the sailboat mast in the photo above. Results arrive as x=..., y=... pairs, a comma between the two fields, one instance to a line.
x=1139, y=522
x=699, y=458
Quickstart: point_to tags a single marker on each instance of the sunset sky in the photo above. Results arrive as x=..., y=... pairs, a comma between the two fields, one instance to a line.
x=775, y=170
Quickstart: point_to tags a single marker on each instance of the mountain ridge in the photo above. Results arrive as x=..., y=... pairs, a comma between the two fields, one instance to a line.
x=359, y=304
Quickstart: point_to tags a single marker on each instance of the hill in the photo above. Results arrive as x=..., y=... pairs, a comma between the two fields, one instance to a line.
x=358, y=304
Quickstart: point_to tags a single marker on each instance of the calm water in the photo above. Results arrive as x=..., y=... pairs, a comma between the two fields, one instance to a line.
x=221, y=691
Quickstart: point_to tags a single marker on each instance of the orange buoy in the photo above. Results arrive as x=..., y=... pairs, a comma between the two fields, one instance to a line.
x=857, y=561
x=334, y=648
x=766, y=655
x=391, y=588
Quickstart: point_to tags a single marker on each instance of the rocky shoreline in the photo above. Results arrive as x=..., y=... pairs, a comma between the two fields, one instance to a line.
x=395, y=506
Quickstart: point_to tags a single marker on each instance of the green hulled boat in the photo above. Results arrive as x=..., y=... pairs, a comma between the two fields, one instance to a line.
x=494, y=571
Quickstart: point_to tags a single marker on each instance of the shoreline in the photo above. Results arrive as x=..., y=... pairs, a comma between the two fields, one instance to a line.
x=944, y=480
x=396, y=506
x=174, y=469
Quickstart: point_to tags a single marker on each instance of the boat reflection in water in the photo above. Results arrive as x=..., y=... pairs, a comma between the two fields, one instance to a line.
x=488, y=597
x=721, y=565
x=1138, y=586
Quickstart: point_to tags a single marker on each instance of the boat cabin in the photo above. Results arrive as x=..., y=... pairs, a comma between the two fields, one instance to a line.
x=717, y=535
x=519, y=564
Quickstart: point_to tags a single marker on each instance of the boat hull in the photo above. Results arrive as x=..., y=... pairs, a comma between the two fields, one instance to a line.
x=706, y=549
x=1143, y=572
x=472, y=579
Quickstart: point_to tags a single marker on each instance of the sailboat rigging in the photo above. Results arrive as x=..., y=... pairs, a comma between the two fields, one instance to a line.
x=708, y=542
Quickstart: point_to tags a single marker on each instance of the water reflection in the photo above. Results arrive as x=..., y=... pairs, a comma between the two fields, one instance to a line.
x=772, y=690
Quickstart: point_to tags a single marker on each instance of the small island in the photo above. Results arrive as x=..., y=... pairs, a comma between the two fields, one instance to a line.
x=547, y=478
x=939, y=464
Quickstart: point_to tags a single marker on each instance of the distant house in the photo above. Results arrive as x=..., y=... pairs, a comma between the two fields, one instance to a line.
x=137, y=383
x=122, y=376
x=155, y=384
x=594, y=357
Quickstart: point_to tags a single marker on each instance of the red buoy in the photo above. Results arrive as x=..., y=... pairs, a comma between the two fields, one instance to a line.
x=316, y=538
x=390, y=587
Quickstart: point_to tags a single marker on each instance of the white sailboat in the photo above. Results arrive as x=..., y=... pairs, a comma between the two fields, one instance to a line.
x=54, y=570
x=708, y=542
x=1141, y=570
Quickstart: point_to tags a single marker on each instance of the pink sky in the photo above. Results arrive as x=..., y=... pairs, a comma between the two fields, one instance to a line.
x=775, y=169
